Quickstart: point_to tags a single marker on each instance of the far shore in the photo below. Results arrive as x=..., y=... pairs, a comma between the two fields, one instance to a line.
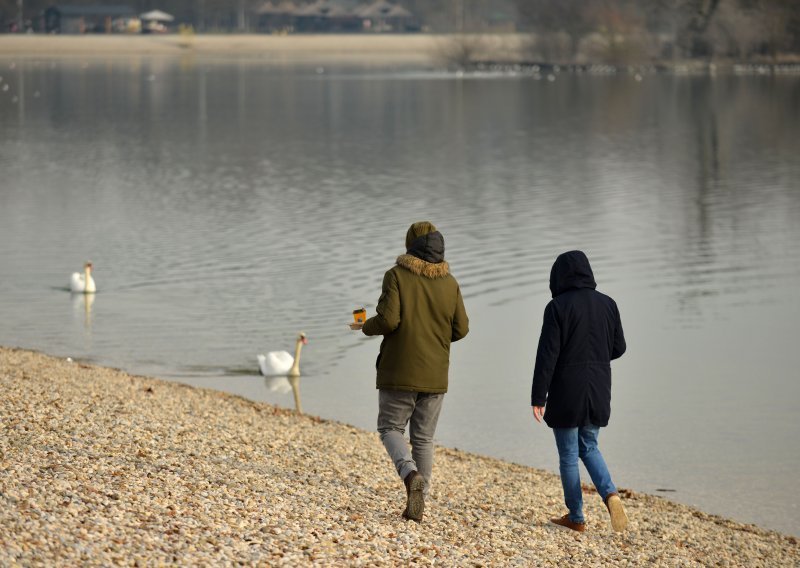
x=99, y=467
x=419, y=50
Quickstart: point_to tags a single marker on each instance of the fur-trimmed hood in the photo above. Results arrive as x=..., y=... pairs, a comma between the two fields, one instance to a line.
x=422, y=268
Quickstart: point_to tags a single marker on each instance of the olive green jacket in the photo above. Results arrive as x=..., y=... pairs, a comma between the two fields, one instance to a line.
x=420, y=312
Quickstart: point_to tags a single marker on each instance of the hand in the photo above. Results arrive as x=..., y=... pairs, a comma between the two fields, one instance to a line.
x=356, y=326
x=538, y=413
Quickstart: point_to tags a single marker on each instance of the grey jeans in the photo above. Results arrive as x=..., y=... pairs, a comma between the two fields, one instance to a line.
x=421, y=412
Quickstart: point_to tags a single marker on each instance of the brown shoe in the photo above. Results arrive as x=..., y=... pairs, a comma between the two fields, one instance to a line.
x=415, y=502
x=619, y=519
x=565, y=522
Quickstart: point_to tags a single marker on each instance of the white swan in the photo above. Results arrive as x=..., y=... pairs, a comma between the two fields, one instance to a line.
x=83, y=283
x=281, y=362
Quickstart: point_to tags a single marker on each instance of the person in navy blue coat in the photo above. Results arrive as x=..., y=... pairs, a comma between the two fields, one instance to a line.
x=571, y=391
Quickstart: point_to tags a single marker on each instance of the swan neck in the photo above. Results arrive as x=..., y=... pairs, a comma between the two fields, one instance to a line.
x=88, y=283
x=295, y=370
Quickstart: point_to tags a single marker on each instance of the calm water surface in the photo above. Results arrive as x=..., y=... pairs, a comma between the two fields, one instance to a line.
x=227, y=206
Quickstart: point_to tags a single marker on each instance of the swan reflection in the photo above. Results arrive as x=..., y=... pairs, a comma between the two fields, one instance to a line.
x=278, y=384
x=285, y=384
x=82, y=307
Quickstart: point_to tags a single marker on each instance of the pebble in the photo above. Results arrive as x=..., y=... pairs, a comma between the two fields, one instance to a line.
x=98, y=467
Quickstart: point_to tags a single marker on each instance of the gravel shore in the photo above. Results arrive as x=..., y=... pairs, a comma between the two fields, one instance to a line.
x=414, y=49
x=99, y=467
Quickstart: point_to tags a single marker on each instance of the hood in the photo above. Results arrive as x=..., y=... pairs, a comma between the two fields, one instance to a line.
x=417, y=230
x=425, y=242
x=429, y=247
x=422, y=268
x=424, y=251
x=571, y=271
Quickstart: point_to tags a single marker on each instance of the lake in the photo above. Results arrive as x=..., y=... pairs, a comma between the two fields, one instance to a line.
x=228, y=205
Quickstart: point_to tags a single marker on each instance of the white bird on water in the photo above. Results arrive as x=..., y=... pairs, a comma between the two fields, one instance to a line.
x=281, y=362
x=83, y=283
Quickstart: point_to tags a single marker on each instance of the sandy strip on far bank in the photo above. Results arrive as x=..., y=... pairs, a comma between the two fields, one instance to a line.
x=417, y=49
x=99, y=467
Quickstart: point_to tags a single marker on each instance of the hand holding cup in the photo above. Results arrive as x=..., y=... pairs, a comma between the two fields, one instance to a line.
x=359, y=317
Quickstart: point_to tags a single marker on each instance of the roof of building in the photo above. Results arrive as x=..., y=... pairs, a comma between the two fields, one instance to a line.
x=328, y=8
x=94, y=10
x=383, y=9
x=157, y=16
x=287, y=7
x=333, y=9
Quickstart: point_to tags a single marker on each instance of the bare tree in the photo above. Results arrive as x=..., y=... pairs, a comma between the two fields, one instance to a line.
x=775, y=16
x=693, y=37
x=553, y=17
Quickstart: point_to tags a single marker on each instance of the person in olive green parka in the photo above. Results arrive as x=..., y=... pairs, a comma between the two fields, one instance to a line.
x=420, y=312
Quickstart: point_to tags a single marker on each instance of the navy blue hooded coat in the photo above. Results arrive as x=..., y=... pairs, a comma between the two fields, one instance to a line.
x=581, y=334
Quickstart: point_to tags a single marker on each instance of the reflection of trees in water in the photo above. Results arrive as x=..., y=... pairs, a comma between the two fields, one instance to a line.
x=733, y=194
x=704, y=120
x=698, y=252
x=697, y=257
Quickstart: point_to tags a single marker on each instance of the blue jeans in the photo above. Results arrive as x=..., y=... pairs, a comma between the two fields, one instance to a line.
x=574, y=443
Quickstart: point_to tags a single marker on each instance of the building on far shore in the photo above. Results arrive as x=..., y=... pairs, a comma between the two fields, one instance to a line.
x=276, y=16
x=156, y=22
x=85, y=19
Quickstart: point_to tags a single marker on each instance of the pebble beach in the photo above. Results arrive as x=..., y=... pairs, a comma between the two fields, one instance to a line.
x=99, y=467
